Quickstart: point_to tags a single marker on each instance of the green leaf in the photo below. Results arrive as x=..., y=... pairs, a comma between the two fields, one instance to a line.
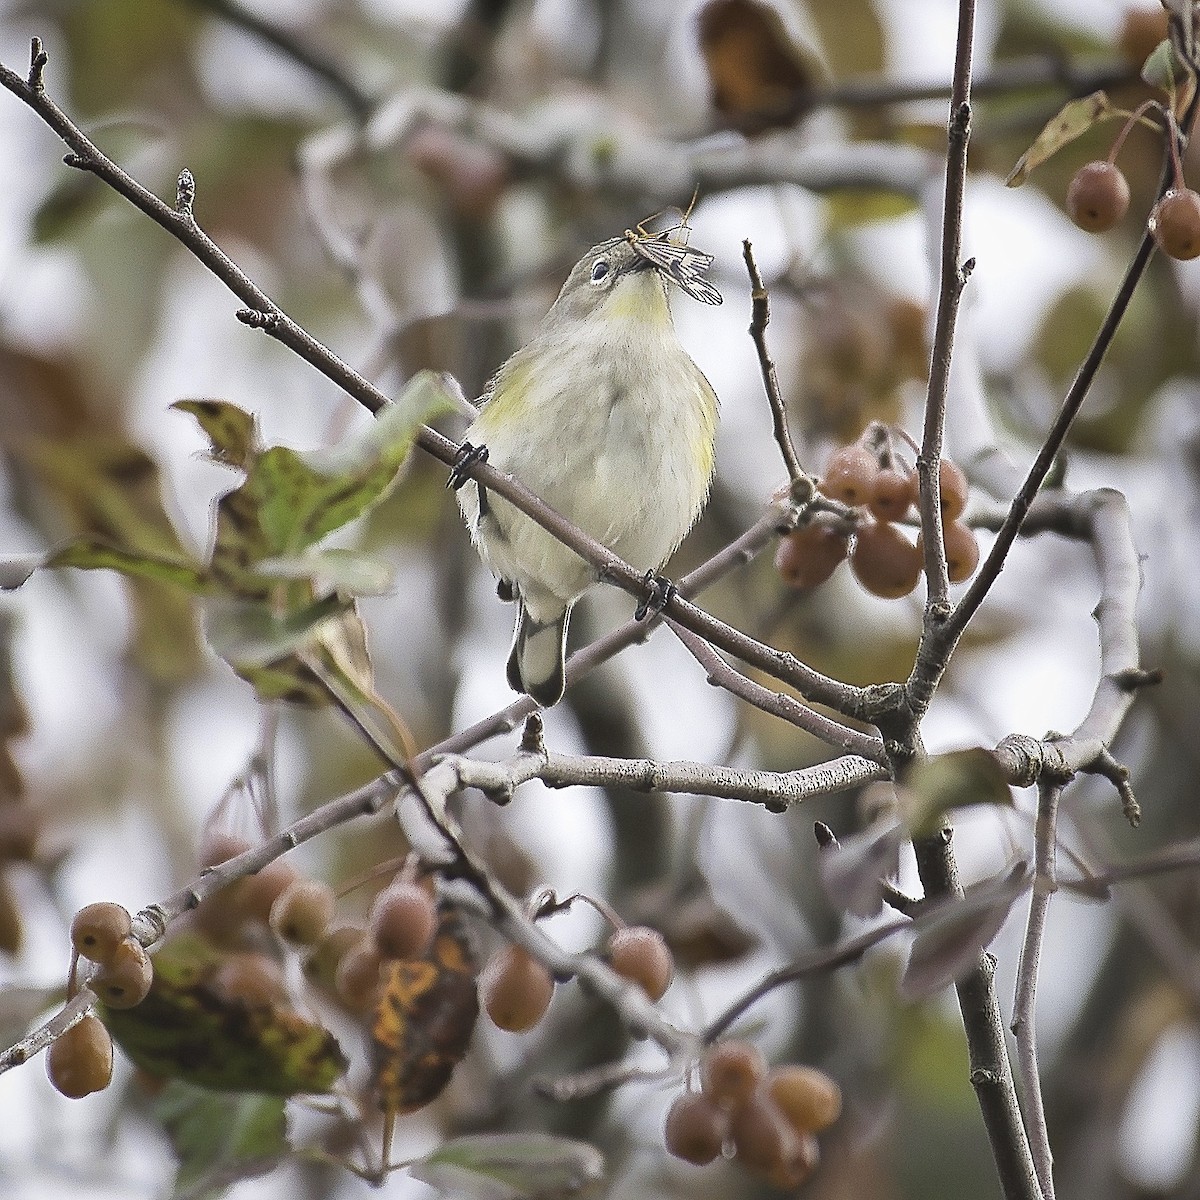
x=230, y=429
x=188, y=1029
x=88, y=554
x=1073, y=120
x=511, y=1166
x=220, y=1140
x=246, y=634
x=290, y=500
x=350, y=572
x=949, y=781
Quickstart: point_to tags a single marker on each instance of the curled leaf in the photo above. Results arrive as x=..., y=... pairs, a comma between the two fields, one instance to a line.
x=951, y=936
x=853, y=871
x=1073, y=120
x=945, y=782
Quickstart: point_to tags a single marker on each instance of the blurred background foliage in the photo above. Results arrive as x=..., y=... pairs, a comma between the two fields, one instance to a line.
x=426, y=243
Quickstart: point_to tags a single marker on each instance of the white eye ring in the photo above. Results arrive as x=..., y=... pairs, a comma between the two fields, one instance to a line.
x=599, y=269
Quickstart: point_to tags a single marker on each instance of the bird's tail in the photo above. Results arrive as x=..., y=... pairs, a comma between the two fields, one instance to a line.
x=537, y=664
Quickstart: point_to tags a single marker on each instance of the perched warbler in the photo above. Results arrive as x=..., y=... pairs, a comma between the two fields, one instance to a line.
x=604, y=416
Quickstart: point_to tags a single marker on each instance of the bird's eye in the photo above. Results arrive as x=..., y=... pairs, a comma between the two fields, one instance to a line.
x=599, y=269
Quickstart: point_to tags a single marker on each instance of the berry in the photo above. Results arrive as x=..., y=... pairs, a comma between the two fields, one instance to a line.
x=257, y=893
x=80, y=1061
x=254, y=980
x=125, y=979
x=808, y=1098
x=640, y=955
x=516, y=989
x=356, y=980
x=789, y=1174
x=807, y=556
x=320, y=966
x=98, y=929
x=302, y=913
x=892, y=494
x=763, y=1138
x=402, y=921
x=952, y=489
x=850, y=474
x=696, y=1129
x=1141, y=31
x=962, y=550
x=884, y=561
x=217, y=846
x=730, y=1071
x=1097, y=196
x=1175, y=224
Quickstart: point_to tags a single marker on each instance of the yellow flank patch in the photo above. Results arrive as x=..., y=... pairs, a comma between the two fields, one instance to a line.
x=509, y=396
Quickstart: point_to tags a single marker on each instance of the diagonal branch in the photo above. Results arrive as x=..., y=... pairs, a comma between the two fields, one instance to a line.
x=264, y=314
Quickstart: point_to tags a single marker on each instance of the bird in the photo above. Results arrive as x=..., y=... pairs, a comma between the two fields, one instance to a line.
x=604, y=415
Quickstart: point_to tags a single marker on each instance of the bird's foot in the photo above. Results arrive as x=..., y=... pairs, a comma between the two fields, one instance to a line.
x=467, y=456
x=660, y=594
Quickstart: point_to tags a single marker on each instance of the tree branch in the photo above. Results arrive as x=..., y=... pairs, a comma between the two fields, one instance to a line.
x=1024, y=1025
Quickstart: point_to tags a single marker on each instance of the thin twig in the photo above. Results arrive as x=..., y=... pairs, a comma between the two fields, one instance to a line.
x=722, y=675
x=265, y=315
x=952, y=281
x=760, y=317
x=1024, y=1025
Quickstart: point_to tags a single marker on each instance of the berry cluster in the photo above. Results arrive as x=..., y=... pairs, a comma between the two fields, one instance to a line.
x=342, y=960
x=869, y=477
x=517, y=989
x=768, y=1119
x=1098, y=194
x=81, y=1060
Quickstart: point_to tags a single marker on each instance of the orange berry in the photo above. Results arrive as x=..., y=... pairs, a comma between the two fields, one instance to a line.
x=403, y=920
x=640, y=955
x=808, y=1098
x=1175, y=223
x=217, y=846
x=807, y=556
x=763, y=1138
x=730, y=1071
x=1097, y=196
x=962, y=550
x=302, y=913
x=892, y=494
x=257, y=893
x=850, y=474
x=953, y=489
x=356, y=980
x=516, y=989
x=124, y=980
x=81, y=1060
x=98, y=929
x=1141, y=31
x=252, y=979
x=696, y=1129
x=884, y=561
x=789, y=1174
